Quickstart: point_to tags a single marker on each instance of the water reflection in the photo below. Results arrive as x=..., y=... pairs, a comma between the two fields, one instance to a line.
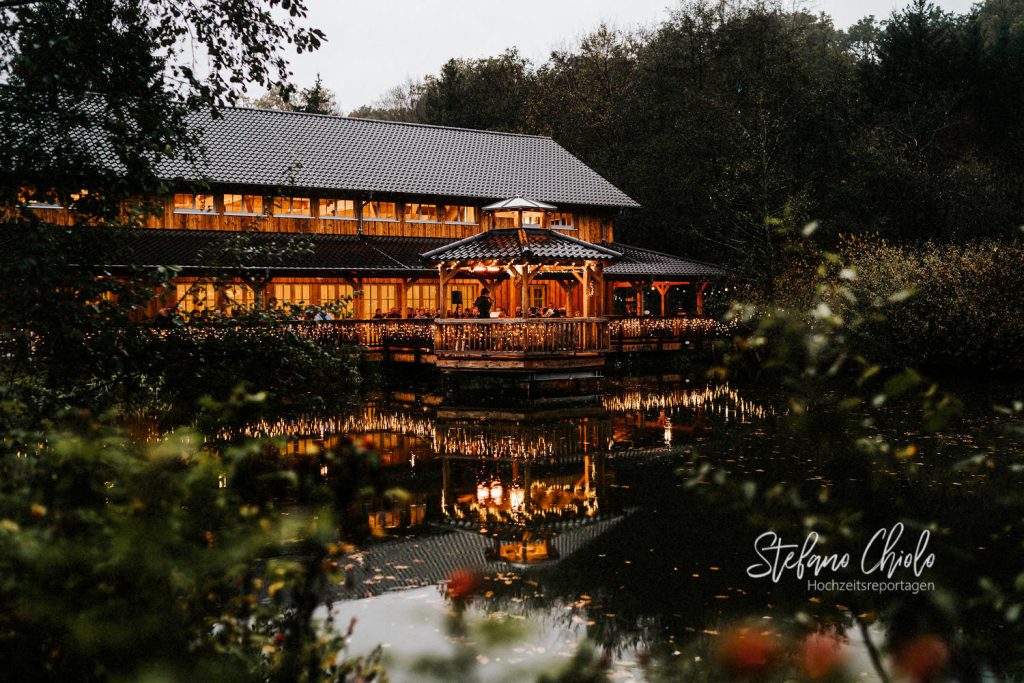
x=519, y=485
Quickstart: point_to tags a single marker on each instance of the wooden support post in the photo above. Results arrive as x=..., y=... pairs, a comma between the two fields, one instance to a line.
x=585, y=292
x=700, y=297
x=662, y=288
x=524, y=292
x=638, y=289
x=360, y=301
x=403, y=286
x=567, y=287
x=599, y=302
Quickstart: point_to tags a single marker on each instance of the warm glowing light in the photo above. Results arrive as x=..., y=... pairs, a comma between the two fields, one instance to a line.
x=517, y=498
x=496, y=492
x=482, y=493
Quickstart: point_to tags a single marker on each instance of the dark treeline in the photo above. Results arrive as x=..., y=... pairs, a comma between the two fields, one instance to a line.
x=734, y=124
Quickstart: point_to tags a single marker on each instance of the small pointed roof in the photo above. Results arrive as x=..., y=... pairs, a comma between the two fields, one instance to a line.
x=519, y=203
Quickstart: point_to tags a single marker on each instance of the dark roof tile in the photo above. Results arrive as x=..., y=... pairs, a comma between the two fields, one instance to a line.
x=290, y=149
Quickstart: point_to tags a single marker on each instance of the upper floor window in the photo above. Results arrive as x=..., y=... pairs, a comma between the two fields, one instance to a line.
x=338, y=208
x=421, y=213
x=460, y=214
x=561, y=221
x=532, y=217
x=243, y=204
x=194, y=203
x=293, y=207
x=380, y=211
x=34, y=200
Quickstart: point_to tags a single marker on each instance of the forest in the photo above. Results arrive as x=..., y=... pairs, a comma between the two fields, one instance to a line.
x=736, y=124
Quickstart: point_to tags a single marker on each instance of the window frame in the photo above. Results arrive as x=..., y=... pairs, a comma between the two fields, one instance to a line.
x=194, y=210
x=243, y=195
x=476, y=212
x=570, y=227
x=438, y=220
x=371, y=219
x=291, y=202
x=357, y=209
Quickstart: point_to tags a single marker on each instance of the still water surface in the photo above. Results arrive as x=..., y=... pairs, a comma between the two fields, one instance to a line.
x=573, y=508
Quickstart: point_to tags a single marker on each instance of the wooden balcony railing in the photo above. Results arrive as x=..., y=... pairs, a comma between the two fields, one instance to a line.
x=514, y=336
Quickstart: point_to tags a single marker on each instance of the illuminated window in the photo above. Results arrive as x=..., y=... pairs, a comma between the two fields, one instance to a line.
x=338, y=299
x=380, y=211
x=460, y=214
x=243, y=204
x=238, y=296
x=422, y=296
x=293, y=207
x=384, y=297
x=561, y=221
x=421, y=213
x=333, y=293
x=537, y=295
x=32, y=200
x=345, y=209
x=292, y=294
x=193, y=203
x=532, y=217
x=506, y=219
x=195, y=296
x=468, y=291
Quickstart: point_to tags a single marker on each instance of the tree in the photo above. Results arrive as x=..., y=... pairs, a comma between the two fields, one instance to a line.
x=317, y=99
x=403, y=102
x=489, y=93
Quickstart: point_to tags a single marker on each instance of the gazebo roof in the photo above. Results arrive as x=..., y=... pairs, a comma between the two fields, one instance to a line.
x=520, y=245
x=519, y=204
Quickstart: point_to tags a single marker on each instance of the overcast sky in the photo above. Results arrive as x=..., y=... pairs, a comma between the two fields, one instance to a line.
x=373, y=45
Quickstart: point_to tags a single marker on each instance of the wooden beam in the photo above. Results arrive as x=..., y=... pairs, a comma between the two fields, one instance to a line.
x=700, y=297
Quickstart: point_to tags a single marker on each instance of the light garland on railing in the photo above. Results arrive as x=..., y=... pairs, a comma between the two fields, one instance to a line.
x=647, y=328
x=719, y=399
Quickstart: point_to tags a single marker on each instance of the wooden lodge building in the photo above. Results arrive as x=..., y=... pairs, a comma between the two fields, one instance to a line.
x=410, y=217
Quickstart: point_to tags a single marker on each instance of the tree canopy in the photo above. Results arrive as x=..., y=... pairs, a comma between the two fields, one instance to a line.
x=736, y=124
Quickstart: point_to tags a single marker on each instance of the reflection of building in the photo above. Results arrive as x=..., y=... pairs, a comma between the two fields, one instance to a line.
x=506, y=491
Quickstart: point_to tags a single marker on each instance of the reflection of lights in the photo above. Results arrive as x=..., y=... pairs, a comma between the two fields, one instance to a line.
x=496, y=492
x=668, y=431
x=323, y=470
x=482, y=494
x=719, y=399
x=517, y=498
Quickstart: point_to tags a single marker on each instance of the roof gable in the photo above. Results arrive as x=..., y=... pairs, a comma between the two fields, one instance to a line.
x=273, y=148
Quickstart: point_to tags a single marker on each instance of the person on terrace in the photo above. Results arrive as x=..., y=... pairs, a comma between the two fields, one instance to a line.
x=484, y=303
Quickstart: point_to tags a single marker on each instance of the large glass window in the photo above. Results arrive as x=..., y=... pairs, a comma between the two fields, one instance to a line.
x=460, y=214
x=380, y=298
x=422, y=296
x=468, y=292
x=537, y=294
x=195, y=296
x=288, y=294
x=330, y=294
x=561, y=221
x=293, y=207
x=243, y=204
x=345, y=209
x=238, y=297
x=193, y=203
x=380, y=211
x=421, y=213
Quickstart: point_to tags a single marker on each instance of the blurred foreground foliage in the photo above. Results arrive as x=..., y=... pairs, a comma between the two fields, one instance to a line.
x=870, y=426
x=125, y=560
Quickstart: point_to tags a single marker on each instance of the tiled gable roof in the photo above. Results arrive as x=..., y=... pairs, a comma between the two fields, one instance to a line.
x=312, y=151
x=505, y=244
x=639, y=262
x=190, y=249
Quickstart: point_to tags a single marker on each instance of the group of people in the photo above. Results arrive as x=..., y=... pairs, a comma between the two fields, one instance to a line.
x=483, y=307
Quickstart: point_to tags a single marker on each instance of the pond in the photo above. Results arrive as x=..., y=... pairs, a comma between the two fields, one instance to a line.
x=572, y=514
